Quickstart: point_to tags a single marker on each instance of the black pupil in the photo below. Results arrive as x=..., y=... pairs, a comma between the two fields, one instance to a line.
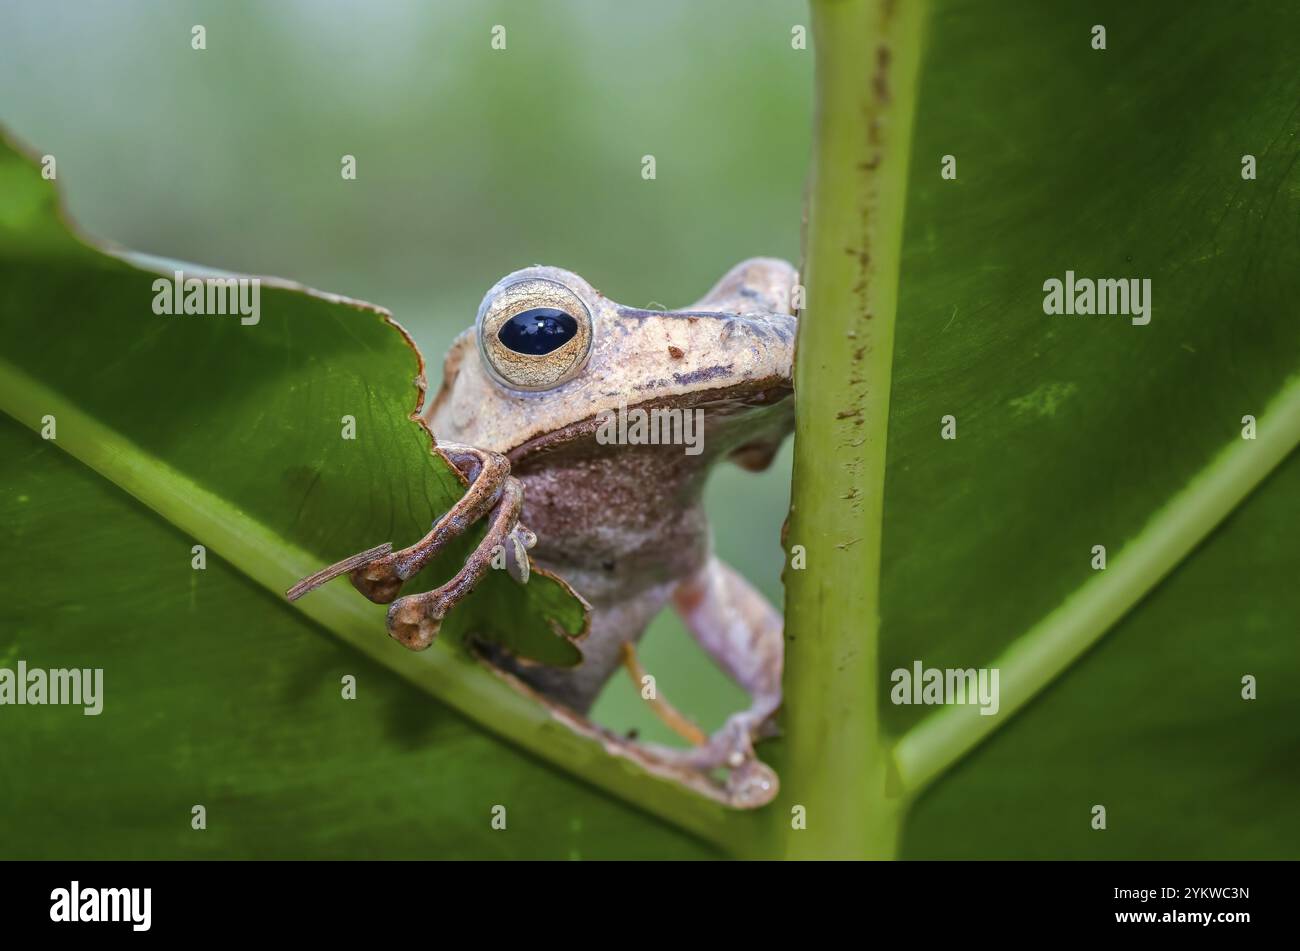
x=538, y=331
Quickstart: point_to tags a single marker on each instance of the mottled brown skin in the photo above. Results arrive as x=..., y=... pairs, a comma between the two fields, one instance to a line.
x=622, y=524
x=626, y=566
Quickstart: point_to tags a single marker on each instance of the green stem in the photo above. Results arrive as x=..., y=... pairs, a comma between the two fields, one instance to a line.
x=836, y=763
x=1039, y=656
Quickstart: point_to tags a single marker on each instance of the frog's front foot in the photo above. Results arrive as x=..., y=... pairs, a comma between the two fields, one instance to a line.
x=415, y=619
x=379, y=573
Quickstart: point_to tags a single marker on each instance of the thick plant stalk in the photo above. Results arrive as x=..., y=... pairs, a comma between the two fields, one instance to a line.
x=836, y=764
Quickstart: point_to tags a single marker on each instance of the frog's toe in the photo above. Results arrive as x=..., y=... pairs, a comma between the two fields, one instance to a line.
x=355, y=565
x=377, y=580
x=730, y=748
x=414, y=621
x=752, y=784
x=747, y=782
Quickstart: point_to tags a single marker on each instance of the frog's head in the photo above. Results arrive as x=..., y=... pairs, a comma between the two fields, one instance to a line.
x=549, y=355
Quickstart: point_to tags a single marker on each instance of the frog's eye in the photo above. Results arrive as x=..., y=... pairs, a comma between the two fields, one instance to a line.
x=534, y=334
x=538, y=331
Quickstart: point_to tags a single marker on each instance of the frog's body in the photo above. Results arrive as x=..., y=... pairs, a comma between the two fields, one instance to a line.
x=622, y=523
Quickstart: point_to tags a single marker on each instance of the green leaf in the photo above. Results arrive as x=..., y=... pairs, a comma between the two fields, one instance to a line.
x=217, y=692
x=1120, y=688
x=1151, y=722
x=1072, y=431
x=1082, y=431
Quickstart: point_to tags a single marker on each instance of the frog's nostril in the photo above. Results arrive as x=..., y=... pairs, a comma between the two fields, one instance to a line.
x=538, y=331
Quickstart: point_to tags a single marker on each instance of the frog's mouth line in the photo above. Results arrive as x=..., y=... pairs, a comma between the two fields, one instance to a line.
x=765, y=391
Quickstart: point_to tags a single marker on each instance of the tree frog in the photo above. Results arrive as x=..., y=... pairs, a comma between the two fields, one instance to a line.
x=529, y=413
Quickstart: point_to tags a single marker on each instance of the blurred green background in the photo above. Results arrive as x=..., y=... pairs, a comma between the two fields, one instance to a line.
x=471, y=162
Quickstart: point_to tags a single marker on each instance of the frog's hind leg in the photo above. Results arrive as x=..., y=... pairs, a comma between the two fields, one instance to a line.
x=740, y=630
x=380, y=572
x=754, y=286
x=743, y=633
